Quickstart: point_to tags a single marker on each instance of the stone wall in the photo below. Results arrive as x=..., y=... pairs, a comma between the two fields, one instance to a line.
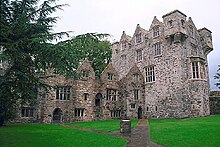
x=175, y=92
x=214, y=105
x=161, y=72
x=214, y=101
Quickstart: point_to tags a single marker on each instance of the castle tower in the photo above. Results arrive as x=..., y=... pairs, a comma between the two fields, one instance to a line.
x=172, y=57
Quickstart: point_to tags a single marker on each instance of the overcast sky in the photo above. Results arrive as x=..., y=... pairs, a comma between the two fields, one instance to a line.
x=115, y=16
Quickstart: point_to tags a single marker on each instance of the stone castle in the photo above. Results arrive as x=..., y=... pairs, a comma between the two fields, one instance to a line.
x=157, y=73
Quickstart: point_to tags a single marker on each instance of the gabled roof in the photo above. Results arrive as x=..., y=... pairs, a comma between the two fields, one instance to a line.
x=109, y=69
x=155, y=22
x=132, y=71
x=139, y=29
x=190, y=22
x=86, y=66
x=125, y=37
x=204, y=28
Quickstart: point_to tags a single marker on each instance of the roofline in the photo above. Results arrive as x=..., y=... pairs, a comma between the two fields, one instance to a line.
x=174, y=12
x=205, y=29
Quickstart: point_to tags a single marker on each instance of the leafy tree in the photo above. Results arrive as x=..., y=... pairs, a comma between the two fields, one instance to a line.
x=217, y=76
x=92, y=46
x=25, y=32
x=26, y=29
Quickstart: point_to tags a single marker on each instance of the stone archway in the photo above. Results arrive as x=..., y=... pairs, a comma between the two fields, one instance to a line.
x=139, y=113
x=98, y=107
x=57, y=115
x=98, y=98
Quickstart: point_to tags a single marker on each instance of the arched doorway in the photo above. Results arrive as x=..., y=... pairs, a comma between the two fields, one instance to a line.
x=98, y=99
x=139, y=113
x=57, y=115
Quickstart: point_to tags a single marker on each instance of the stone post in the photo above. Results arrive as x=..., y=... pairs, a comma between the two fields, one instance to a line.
x=125, y=126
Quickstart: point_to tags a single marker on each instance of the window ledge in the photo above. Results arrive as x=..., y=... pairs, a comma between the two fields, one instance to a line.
x=149, y=82
x=157, y=56
x=198, y=79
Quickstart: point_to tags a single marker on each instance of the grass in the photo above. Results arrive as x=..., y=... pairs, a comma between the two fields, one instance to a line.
x=53, y=135
x=102, y=125
x=195, y=132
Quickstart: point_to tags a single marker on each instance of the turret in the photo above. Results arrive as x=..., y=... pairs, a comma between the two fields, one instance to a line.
x=206, y=40
x=175, y=26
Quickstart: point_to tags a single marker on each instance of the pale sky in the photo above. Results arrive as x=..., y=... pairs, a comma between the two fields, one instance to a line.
x=115, y=16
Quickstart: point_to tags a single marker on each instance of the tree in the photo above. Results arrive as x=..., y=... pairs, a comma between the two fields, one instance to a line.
x=92, y=46
x=25, y=33
x=217, y=76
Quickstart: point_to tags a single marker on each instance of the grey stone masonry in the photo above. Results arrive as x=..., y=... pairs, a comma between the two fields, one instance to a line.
x=172, y=57
x=214, y=102
x=161, y=72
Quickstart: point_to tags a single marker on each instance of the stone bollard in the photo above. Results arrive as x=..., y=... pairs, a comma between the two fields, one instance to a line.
x=125, y=126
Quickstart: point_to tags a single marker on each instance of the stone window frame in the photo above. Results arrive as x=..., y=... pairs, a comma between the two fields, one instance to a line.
x=136, y=93
x=63, y=93
x=110, y=76
x=85, y=96
x=136, y=77
x=138, y=38
x=183, y=23
x=150, y=74
x=157, y=48
x=79, y=112
x=124, y=45
x=27, y=112
x=170, y=23
x=147, y=108
x=156, y=108
x=123, y=57
x=156, y=31
x=194, y=106
x=133, y=106
x=115, y=113
x=139, y=55
x=195, y=70
x=111, y=94
x=84, y=74
x=198, y=70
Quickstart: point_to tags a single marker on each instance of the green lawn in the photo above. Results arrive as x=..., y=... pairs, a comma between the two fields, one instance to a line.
x=28, y=135
x=102, y=125
x=195, y=132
